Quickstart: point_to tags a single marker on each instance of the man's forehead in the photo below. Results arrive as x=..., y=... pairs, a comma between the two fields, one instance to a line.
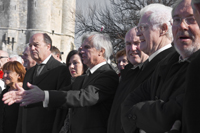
x=87, y=41
x=132, y=37
x=183, y=8
x=36, y=37
x=145, y=18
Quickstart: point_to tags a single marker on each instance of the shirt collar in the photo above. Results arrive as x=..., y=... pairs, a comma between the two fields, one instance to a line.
x=159, y=51
x=93, y=69
x=46, y=60
x=182, y=60
x=139, y=65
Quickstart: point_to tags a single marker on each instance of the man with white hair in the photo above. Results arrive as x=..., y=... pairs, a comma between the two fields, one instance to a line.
x=90, y=96
x=157, y=103
x=15, y=57
x=141, y=68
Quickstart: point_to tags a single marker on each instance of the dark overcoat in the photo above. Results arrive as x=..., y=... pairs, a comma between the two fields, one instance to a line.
x=130, y=79
x=157, y=103
x=90, y=100
x=34, y=118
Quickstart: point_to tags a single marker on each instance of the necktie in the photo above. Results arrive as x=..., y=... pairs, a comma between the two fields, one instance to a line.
x=88, y=73
x=39, y=69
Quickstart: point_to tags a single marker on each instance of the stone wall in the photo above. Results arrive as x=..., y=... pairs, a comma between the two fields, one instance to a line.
x=20, y=19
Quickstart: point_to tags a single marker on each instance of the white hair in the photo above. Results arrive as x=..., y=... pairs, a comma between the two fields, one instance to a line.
x=160, y=14
x=17, y=58
x=100, y=41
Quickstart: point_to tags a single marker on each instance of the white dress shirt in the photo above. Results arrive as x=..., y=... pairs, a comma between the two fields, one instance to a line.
x=159, y=51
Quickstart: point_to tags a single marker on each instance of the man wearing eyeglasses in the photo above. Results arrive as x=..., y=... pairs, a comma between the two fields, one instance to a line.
x=157, y=103
x=190, y=116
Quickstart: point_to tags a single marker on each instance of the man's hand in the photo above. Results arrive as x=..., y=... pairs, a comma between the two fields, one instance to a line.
x=25, y=97
x=34, y=95
x=14, y=96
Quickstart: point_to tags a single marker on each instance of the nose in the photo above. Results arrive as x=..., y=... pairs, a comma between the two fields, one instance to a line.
x=133, y=47
x=121, y=63
x=71, y=65
x=32, y=47
x=183, y=25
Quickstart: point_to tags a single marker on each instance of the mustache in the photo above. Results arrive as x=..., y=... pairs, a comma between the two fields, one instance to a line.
x=185, y=33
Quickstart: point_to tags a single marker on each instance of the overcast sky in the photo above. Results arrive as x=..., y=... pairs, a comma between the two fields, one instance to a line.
x=83, y=5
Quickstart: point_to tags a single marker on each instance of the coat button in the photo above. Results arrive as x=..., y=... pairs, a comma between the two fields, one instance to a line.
x=134, y=117
x=130, y=116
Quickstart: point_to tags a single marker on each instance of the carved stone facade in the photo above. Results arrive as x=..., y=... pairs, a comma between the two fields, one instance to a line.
x=20, y=19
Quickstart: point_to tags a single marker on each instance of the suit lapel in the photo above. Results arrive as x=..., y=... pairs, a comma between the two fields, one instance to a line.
x=94, y=75
x=44, y=72
x=151, y=66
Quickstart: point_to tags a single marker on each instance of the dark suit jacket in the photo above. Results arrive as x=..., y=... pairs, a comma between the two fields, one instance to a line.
x=191, y=107
x=129, y=81
x=34, y=118
x=156, y=104
x=90, y=101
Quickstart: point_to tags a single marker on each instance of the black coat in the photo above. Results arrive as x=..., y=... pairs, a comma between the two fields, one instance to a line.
x=90, y=101
x=34, y=118
x=8, y=115
x=157, y=103
x=191, y=107
x=129, y=81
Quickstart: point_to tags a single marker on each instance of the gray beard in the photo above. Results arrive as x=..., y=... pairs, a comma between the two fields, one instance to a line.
x=188, y=51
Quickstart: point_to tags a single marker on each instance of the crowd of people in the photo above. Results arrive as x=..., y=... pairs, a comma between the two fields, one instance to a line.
x=155, y=91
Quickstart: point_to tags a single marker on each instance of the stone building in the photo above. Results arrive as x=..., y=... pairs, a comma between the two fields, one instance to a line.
x=20, y=19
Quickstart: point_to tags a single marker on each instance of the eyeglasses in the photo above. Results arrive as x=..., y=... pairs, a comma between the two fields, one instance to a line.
x=3, y=57
x=142, y=27
x=188, y=20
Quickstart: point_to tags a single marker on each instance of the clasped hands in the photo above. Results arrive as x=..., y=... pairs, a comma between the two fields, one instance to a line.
x=24, y=97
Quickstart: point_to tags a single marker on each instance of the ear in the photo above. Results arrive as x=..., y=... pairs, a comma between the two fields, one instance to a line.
x=57, y=55
x=102, y=52
x=48, y=46
x=164, y=29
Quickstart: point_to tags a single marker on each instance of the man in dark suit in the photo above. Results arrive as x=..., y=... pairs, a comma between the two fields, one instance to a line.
x=157, y=103
x=90, y=96
x=190, y=116
x=158, y=46
x=47, y=74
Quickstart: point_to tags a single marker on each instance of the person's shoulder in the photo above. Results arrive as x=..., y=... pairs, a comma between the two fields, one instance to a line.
x=172, y=57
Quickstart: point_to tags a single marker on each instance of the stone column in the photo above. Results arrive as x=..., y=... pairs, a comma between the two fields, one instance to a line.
x=68, y=27
x=39, y=16
x=13, y=23
x=56, y=22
